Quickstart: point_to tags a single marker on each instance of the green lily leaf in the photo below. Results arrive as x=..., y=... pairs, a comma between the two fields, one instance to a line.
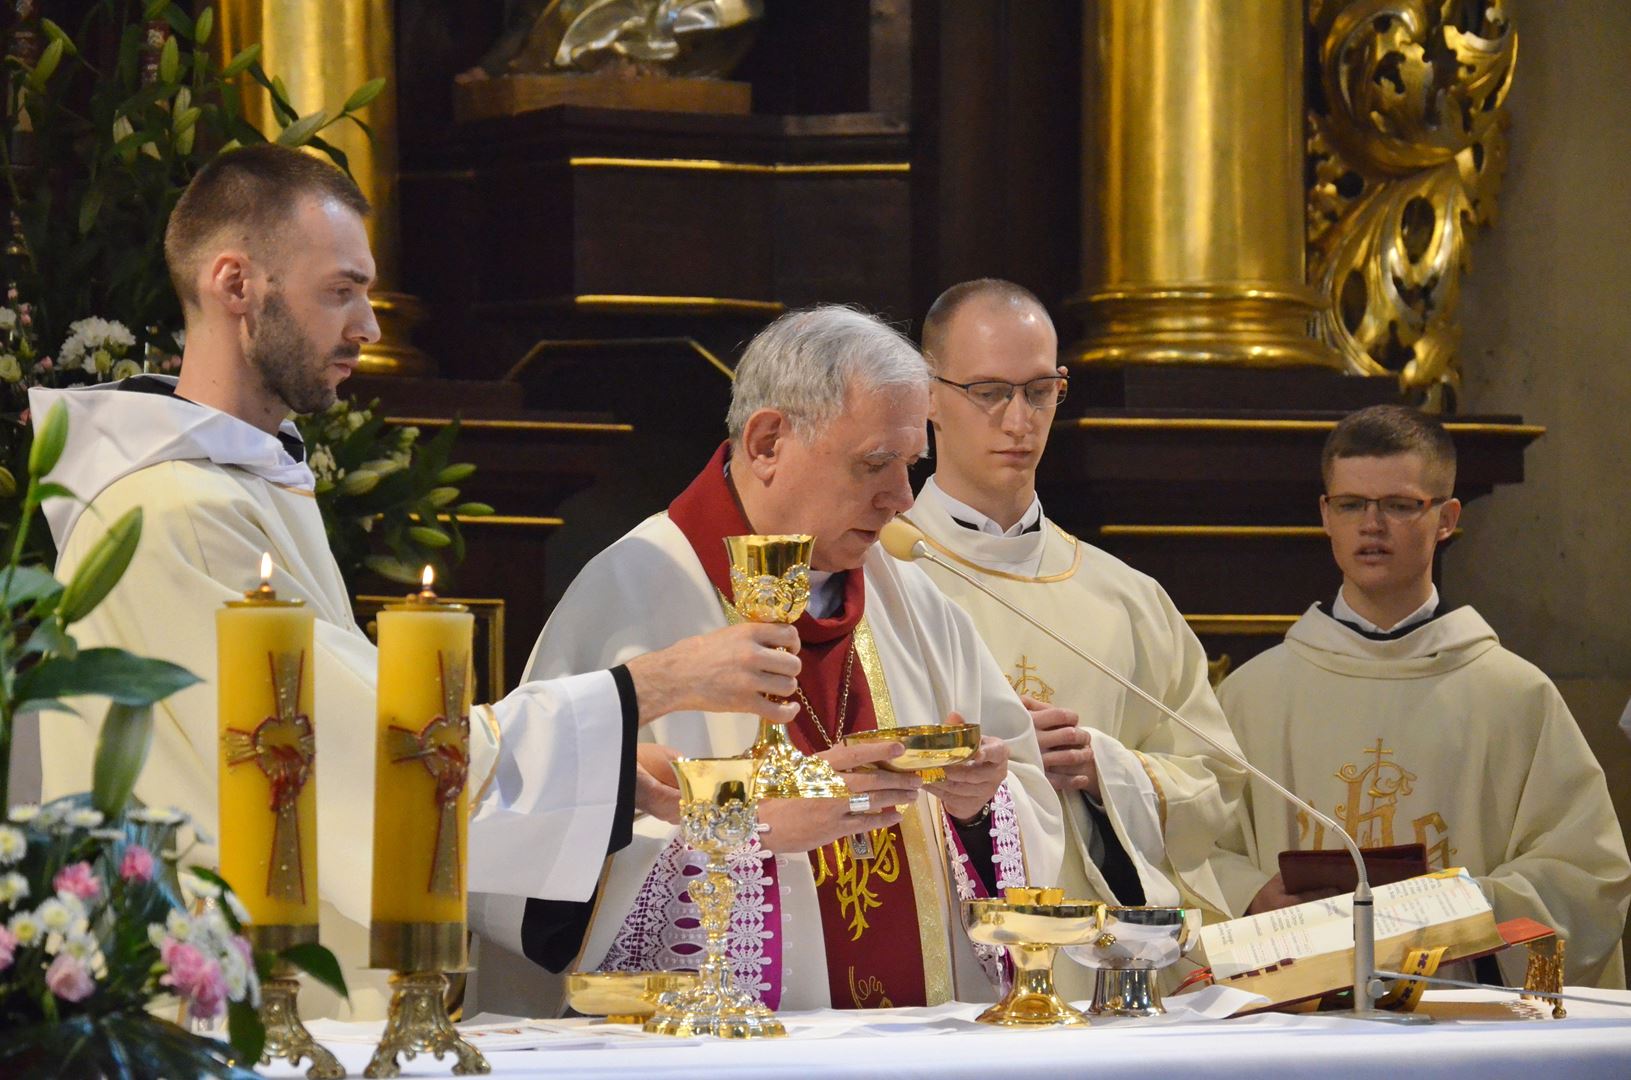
x=112, y=673
x=320, y=964
x=26, y=585
x=121, y=753
x=245, y=1030
x=51, y=638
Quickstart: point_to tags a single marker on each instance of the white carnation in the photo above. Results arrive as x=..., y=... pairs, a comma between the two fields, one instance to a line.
x=25, y=927
x=12, y=845
x=13, y=887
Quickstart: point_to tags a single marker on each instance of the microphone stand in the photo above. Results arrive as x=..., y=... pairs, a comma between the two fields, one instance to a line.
x=906, y=541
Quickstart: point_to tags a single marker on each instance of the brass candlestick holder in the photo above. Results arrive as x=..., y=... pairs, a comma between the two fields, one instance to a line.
x=286, y=1036
x=770, y=582
x=1129, y=953
x=420, y=954
x=717, y=817
x=1032, y=924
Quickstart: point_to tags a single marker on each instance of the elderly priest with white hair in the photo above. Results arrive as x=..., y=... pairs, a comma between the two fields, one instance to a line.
x=828, y=412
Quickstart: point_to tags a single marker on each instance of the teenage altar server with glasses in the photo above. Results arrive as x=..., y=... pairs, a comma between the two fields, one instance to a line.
x=1403, y=717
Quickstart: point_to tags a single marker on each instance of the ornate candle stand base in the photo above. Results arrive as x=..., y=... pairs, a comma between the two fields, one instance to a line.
x=286, y=1037
x=418, y=1024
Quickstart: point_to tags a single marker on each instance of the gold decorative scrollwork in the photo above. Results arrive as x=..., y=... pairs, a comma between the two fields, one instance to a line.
x=1407, y=147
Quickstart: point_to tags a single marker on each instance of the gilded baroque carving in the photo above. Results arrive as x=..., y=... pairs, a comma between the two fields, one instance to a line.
x=1407, y=148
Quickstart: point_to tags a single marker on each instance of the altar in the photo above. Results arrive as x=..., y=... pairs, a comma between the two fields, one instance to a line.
x=1479, y=1035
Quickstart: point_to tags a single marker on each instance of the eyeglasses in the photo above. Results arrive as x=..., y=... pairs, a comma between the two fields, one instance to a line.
x=993, y=394
x=1399, y=508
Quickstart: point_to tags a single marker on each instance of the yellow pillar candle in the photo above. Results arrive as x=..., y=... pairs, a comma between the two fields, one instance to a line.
x=267, y=759
x=421, y=790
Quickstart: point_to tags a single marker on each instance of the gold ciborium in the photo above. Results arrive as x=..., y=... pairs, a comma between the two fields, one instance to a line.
x=770, y=583
x=929, y=747
x=1032, y=924
x=623, y=997
x=717, y=817
x=1128, y=954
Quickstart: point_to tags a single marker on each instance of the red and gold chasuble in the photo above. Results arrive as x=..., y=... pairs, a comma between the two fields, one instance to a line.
x=869, y=918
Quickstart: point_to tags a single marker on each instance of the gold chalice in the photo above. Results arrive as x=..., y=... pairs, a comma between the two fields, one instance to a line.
x=717, y=817
x=929, y=747
x=623, y=997
x=1032, y=924
x=770, y=582
x=1134, y=945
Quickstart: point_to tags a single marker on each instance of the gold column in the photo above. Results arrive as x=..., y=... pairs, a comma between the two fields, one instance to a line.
x=1193, y=175
x=323, y=50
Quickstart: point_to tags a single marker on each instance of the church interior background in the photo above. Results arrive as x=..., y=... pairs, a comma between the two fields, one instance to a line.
x=1247, y=216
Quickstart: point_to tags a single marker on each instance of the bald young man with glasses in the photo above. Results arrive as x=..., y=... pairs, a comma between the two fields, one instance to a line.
x=1405, y=719
x=1143, y=799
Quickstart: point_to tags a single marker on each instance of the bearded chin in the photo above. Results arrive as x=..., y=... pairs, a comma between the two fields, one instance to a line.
x=287, y=362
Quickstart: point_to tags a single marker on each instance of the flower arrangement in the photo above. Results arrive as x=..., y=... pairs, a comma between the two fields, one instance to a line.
x=97, y=920
x=388, y=499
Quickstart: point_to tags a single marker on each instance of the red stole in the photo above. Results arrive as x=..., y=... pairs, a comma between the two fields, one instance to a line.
x=868, y=909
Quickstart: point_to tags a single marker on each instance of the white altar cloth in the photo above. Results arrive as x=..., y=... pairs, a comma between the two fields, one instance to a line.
x=942, y=1044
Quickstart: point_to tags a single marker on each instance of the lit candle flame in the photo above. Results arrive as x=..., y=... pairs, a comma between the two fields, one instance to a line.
x=427, y=578
x=266, y=568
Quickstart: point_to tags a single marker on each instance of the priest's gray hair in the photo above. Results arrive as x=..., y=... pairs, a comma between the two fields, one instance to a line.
x=804, y=364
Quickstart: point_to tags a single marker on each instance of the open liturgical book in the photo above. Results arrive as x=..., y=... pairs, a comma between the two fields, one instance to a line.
x=1307, y=950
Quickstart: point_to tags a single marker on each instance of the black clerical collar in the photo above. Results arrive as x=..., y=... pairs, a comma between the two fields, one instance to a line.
x=1327, y=606
x=1034, y=526
x=152, y=384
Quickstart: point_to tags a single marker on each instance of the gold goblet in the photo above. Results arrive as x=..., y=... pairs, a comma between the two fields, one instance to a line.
x=1032, y=929
x=770, y=582
x=717, y=817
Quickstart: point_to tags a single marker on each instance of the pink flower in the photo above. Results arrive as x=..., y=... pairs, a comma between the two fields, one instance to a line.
x=8, y=947
x=22, y=417
x=44, y=364
x=77, y=880
x=68, y=978
x=196, y=978
x=26, y=319
x=137, y=865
